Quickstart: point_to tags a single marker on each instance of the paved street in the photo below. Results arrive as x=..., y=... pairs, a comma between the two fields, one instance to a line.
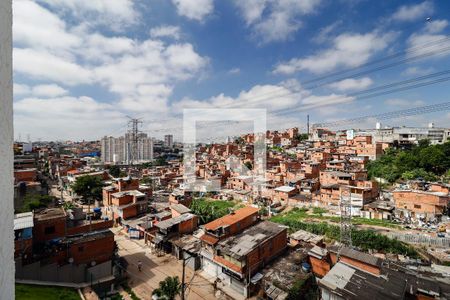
x=156, y=269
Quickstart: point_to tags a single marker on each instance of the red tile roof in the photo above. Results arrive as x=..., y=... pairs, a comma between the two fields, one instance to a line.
x=237, y=216
x=209, y=239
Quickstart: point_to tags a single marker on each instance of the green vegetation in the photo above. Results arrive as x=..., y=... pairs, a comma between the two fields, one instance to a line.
x=209, y=210
x=68, y=205
x=422, y=161
x=319, y=211
x=130, y=292
x=317, y=215
x=116, y=172
x=34, y=292
x=36, y=201
x=88, y=187
x=303, y=289
x=364, y=239
x=169, y=288
x=248, y=165
x=302, y=137
x=277, y=149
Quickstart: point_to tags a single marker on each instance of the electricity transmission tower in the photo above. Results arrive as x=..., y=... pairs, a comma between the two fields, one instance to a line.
x=133, y=133
x=345, y=206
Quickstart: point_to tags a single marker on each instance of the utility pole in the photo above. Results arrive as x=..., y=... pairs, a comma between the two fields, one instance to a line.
x=183, y=287
x=307, y=124
x=183, y=284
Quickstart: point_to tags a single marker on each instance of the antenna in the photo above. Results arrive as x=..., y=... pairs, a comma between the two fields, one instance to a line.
x=133, y=131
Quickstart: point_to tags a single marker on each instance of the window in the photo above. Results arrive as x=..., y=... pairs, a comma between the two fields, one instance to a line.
x=80, y=248
x=417, y=206
x=49, y=230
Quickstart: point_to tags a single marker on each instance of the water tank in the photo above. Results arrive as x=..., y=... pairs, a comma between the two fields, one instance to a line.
x=378, y=125
x=431, y=125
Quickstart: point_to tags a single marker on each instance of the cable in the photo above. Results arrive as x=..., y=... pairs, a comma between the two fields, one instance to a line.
x=340, y=99
x=397, y=54
x=389, y=115
x=406, y=60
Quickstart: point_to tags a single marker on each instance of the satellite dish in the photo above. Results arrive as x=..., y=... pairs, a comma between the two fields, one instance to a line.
x=71, y=260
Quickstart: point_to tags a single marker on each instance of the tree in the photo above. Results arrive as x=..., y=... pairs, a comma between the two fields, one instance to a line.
x=114, y=171
x=419, y=173
x=88, y=187
x=302, y=137
x=169, y=288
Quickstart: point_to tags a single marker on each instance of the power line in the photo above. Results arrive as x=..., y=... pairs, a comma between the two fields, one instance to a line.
x=392, y=64
x=397, y=54
x=389, y=115
x=403, y=86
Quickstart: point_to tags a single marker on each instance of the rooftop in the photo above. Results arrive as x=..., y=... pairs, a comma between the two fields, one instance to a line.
x=180, y=208
x=233, y=218
x=23, y=220
x=240, y=245
x=50, y=213
x=359, y=256
x=128, y=193
x=174, y=221
x=351, y=283
x=285, y=189
x=306, y=236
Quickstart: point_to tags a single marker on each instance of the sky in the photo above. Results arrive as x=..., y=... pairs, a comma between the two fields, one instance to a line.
x=83, y=67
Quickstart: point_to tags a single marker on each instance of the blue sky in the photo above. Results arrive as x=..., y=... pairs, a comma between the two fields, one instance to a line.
x=82, y=66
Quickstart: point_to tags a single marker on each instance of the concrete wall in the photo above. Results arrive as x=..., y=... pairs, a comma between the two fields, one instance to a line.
x=6, y=154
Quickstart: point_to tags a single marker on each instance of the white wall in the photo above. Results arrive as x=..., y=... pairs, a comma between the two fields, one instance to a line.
x=6, y=155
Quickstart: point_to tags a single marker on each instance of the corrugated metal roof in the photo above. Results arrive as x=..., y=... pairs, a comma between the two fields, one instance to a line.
x=23, y=220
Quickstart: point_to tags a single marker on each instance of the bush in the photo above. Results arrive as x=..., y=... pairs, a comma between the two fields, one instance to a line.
x=363, y=239
x=209, y=210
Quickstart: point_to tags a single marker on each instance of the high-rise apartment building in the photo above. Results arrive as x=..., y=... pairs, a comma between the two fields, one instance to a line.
x=119, y=150
x=168, y=140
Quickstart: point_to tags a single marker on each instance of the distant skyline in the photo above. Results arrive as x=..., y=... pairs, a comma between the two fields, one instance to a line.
x=82, y=66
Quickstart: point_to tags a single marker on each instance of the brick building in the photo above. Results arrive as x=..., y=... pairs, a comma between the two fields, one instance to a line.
x=421, y=204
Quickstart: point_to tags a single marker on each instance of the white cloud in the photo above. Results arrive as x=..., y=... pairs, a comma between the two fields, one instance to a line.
x=21, y=89
x=436, y=26
x=348, y=50
x=351, y=84
x=166, y=31
x=418, y=42
x=116, y=14
x=48, y=90
x=281, y=100
x=37, y=27
x=140, y=74
x=325, y=32
x=65, y=117
x=234, y=71
x=272, y=20
x=194, y=9
x=411, y=71
x=407, y=13
x=43, y=65
x=41, y=90
x=404, y=102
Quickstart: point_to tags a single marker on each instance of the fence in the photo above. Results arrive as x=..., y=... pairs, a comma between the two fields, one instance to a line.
x=421, y=239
